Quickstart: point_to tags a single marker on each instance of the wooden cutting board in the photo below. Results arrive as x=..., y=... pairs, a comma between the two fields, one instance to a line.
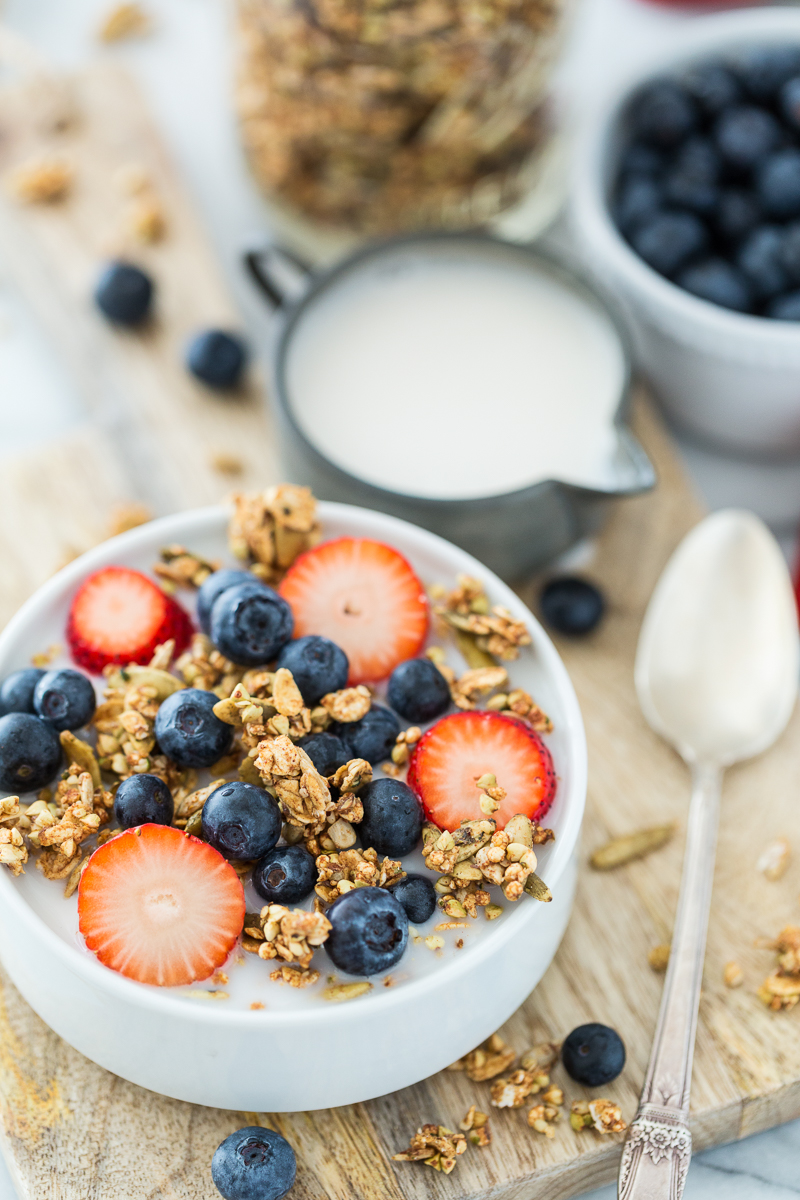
x=71, y=1130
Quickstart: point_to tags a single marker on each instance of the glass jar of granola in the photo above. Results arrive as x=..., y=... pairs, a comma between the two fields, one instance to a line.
x=382, y=115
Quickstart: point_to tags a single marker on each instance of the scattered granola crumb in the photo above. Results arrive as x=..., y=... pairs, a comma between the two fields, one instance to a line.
x=257, y=1006
x=388, y=981
x=145, y=219
x=542, y=1118
x=476, y=1126
x=46, y=656
x=487, y=1061
x=774, y=860
x=226, y=464
x=346, y=991
x=625, y=849
x=602, y=1115
x=782, y=988
x=206, y=994
x=297, y=977
x=433, y=942
x=391, y=769
x=658, y=957
x=128, y=515
x=219, y=978
x=460, y=944
x=42, y=181
x=124, y=21
x=451, y=925
x=733, y=975
x=435, y=1146
x=513, y=1090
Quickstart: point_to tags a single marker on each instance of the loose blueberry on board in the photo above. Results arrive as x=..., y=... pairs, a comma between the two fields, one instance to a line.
x=663, y=113
x=250, y=624
x=393, y=817
x=759, y=260
x=417, y=895
x=418, y=690
x=16, y=690
x=778, y=184
x=668, y=240
x=65, y=698
x=254, y=1164
x=213, y=587
x=217, y=358
x=593, y=1055
x=30, y=753
x=143, y=800
x=572, y=605
x=717, y=281
x=124, y=293
x=326, y=751
x=285, y=875
x=241, y=820
x=785, y=308
x=187, y=730
x=371, y=738
x=318, y=665
x=746, y=135
x=369, y=931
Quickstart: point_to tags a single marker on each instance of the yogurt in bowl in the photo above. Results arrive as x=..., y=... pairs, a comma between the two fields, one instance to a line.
x=251, y=1043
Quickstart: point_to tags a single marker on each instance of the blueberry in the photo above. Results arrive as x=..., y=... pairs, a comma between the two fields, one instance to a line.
x=369, y=931
x=30, y=752
x=187, y=730
x=693, y=181
x=142, y=799
x=317, y=664
x=764, y=69
x=250, y=624
x=16, y=690
x=213, y=587
x=216, y=358
x=254, y=1164
x=241, y=820
x=418, y=690
x=785, y=308
x=669, y=240
x=663, y=113
x=393, y=817
x=372, y=737
x=790, y=101
x=746, y=135
x=759, y=260
x=285, y=875
x=572, y=605
x=737, y=214
x=124, y=293
x=326, y=751
x=716, y=281
x=638, y=197
x=713, y=86
x=65, y=698
x=417, y=895
x=778, y=184
x=593, y=1054
x=641, y=159
x=789, y=254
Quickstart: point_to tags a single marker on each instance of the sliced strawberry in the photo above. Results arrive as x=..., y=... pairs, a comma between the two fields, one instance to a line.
x=160, y=906
x=362, y=595
x=120, y=616
x=457, y=750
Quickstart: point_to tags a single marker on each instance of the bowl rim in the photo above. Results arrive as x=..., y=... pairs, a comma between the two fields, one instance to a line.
x=181, y=527
x=589, y=206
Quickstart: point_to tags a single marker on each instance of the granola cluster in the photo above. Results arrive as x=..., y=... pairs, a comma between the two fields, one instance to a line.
x=180, y=567
x=125, y=721
x=435, y=1146
x=270, y=528
x=341, y=872
x=604, y=1116
x=384, y=116
x=292, y=936
x=490, y=628
x=781, y=989
x=202, y=666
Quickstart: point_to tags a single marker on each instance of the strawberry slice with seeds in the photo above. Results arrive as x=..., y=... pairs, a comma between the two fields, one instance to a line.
x=119, y=616
x=456, y=751
x=362, y=595
x=160, y=906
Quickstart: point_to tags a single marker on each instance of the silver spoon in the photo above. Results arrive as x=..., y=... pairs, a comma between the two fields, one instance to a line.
x=716, y=675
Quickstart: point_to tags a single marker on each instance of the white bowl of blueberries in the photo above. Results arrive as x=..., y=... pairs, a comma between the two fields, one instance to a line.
x=686, y=208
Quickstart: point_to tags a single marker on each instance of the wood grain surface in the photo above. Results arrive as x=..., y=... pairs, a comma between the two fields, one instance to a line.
x=68, y=1129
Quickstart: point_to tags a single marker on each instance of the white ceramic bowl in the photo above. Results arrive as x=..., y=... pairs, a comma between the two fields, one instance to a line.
x=729, y=379
x=300, y=1052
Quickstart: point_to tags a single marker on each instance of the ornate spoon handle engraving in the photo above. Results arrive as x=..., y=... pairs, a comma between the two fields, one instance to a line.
x=656, y=1154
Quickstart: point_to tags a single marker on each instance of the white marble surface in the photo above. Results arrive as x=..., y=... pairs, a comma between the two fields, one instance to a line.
x=185, y=68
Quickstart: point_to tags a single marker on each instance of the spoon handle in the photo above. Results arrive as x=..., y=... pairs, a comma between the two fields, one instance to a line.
x=658, y=1147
